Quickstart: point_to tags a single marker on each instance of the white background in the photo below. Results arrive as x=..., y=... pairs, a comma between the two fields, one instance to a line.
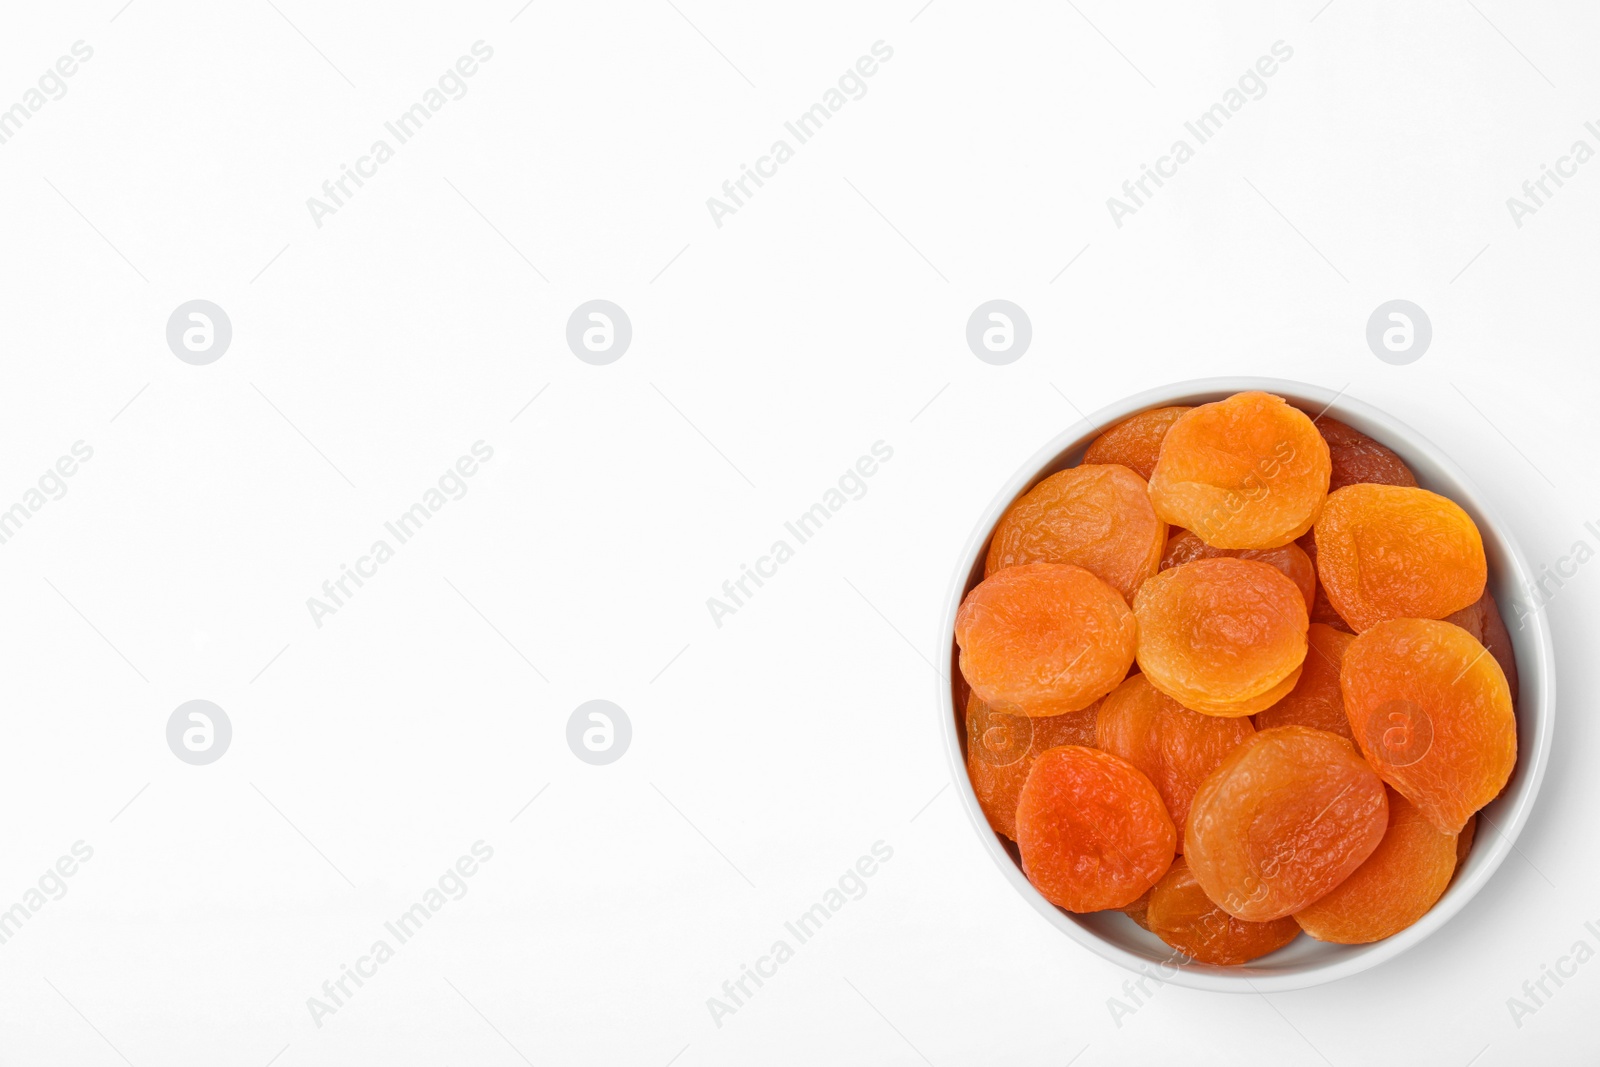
x=827, y=314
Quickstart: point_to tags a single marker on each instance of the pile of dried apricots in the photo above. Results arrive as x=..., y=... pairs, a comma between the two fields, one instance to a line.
x=1238, y=676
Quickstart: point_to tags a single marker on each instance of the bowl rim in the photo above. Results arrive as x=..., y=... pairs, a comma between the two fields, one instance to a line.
x=1535, y=668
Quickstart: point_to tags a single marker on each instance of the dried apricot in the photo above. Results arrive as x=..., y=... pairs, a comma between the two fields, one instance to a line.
x=1405, y=875
x=1285, y=818
x=1135, y=442
x=1001, y=749
x=1431, y=710
x=1181, y=914
x=1246, y=472
x=1221, y=636
x=1358, y=458
x=1175, y=747
x=1044, y=639
x=1139, y=910
x=1470, y=619
x=1497, y=639
x=1291, y=559
x=1464, y=840
x=1316, y=700
x=1322, y=609
x=1097, y=516
x=1389, y=552
x=1091, y=830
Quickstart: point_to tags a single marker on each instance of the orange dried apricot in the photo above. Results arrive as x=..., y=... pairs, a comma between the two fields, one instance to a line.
x=1181, y=914
x=1091, y=830
x=1001, y=749
x=1044, y=639
x=1097, y=516
x=1431, y=710
x=1285, y=818
x=1405, y=875
x=1221, y=636
x=1291, y=559
x=1316, y=700
x=1175, y=747
x=1246, y=472
x=1391, y=552
x=1135, y=442
x=1358, y=458
x=1497, y=639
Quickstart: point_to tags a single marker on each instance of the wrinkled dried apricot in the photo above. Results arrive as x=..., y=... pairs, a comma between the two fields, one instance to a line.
x=1431, y=710
x=1175, y=747
x=1001, y=749
x=1389, y=552
x=1291, y=559
x=1358, y=458
x=1091, y=830
x=1405, y=875
x=1246, y=472
x=1497, y=639
x=1285, y=818
x=1221, y=636
x=1316, y=700
x=1044, y=639
x=1097, y=516
x=1135, y=442
x=1181, y=914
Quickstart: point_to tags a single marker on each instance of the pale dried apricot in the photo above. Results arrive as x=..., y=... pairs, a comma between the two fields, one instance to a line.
x=1044, y=639
x=1405, y=875
x=1221, y=636
x=1358, y=458
x=1097, y=516
x=1091, y=830
x=1175, y=747
x=1431, y=710
x=1291, y=559
x=1390, y=552
x=1246, y=472
x=1180, y=913
x=1285, y=818
x=1316, y=700
x=1001, y=749
x=1135, y=442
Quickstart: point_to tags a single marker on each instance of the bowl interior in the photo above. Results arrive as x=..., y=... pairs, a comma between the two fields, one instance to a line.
x=1303, y=962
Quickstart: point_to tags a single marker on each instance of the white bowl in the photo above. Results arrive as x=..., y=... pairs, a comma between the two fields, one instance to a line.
x=1305, y=962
